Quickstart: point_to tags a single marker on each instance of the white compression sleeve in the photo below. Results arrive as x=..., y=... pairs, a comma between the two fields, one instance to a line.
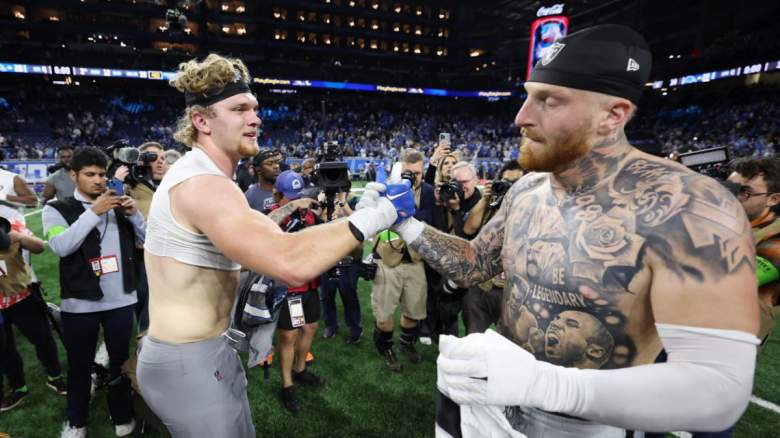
x=704, y=386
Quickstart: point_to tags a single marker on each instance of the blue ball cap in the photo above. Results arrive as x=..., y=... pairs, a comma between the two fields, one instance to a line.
x=289, y=184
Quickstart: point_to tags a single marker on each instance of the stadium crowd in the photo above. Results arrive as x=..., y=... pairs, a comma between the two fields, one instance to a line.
x=745, y=122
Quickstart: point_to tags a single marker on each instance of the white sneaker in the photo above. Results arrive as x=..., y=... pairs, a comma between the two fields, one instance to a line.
x=125, y=429
x=425, y=340
x=73, y=432
x=101, y=356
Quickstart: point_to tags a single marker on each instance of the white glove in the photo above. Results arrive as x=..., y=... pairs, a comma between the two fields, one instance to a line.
x=489, y=369
x=373, y=213
x=409, y=230
x=373, y=191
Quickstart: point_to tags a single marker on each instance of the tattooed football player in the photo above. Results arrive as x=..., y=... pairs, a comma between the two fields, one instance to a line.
x=610, y=256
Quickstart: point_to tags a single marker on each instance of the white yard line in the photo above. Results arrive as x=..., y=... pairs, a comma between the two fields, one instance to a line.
x=765, y=404
x=33, y=212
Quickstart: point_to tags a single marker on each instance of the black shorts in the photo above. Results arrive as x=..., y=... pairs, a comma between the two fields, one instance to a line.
x=311, y=309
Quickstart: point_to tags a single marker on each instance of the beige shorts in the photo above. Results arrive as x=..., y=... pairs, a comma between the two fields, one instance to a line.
x=404, y=284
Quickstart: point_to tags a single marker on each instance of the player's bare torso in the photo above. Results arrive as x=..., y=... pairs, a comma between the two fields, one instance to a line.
x=579, y=263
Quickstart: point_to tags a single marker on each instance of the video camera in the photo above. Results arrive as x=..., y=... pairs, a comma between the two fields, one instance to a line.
x=498, y=190
x=711, y=162
x=451, y=190
x=138, y=163
x=331, y=173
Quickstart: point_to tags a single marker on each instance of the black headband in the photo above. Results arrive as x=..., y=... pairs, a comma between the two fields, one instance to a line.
x=214, y=95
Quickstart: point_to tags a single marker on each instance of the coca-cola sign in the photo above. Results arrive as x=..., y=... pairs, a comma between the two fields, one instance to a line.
x=545, y=11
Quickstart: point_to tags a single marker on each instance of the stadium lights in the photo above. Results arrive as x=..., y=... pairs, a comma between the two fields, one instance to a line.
x=419, y=11
x=417, y=31
x=397, y=9
x=352, y=3
x=225, y=7
x=396, y=48
x=417, y=50
x=351, y=22
x=396, y=28
x=240, y=9
x=241, y=30
x=374, y=26
x=375, y=5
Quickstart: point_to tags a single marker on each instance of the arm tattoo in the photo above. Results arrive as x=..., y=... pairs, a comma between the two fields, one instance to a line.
x=281, y=213
x=466, y=263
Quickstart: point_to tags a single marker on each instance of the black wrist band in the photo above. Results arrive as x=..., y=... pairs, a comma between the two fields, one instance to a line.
x=355, y=232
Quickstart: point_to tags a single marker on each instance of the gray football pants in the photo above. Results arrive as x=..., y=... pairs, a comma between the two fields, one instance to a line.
x=197, y=389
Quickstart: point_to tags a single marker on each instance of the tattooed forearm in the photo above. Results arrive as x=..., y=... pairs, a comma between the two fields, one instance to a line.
x=281, y=213
x=466, y=263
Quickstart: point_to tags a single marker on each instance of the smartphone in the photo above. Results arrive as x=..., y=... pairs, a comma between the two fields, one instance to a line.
x=444, y=137
x=117, y=186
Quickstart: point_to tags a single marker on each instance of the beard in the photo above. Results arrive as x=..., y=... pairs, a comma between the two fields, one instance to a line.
x=538, y=154
x=248, y=150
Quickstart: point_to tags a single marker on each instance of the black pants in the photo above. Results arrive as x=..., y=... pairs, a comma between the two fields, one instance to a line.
x=481, y=309
x=142, y=293
x=347, y=287
x=29, y=317
x=80, y=335
x=450, y=306
x=431, y=326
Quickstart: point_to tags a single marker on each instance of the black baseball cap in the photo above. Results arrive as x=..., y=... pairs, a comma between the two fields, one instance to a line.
x=607, y=58
x=263, y=155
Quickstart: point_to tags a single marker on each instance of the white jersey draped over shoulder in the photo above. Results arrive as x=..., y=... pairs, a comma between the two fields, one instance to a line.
x=167, y=238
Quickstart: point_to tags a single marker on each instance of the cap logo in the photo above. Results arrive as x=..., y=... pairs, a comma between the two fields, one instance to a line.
x=552, y=52
x=632, y=65
x=296, y=184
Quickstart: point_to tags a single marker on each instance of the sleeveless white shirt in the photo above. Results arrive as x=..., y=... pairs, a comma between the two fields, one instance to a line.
x=167, y=238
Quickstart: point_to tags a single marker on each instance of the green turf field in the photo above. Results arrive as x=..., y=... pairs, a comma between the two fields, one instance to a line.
x=361, y=398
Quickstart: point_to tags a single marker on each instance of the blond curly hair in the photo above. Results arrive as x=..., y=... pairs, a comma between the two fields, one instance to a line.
x=196, y=77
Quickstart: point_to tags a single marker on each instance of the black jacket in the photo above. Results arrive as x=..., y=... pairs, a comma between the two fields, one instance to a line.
x=77, y=279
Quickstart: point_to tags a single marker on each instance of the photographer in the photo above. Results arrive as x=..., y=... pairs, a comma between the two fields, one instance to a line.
x=307, y=169
x=59, y=183
x=152, y=158
x=482, y=303
x=266, y=167
x=95, y=233
x=343, y=277
x=299, y=317
x=22, y=306
x=759, y=195
x=438, y=172
x=143, y=177
x=457, y=198
x=400, y=277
